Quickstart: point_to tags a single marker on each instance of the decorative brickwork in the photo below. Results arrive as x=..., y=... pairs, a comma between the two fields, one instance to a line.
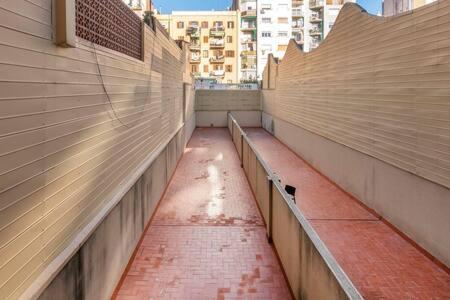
x=110, y=23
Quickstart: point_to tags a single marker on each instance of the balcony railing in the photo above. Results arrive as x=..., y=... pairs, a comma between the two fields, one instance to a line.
x=218, y=59
x=248, y=53
x=217, y=73
x=248, y=27
x=217, y=43
x=217, y=31
x=195, y=59
x=227, y=86
x=195, y=46
x=296, y=3
x=251, y=13
x=315, y=19
x=316, y=4
x=248, y=41
x=315, y=32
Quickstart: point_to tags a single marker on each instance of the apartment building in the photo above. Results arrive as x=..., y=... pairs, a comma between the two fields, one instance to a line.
x=247, y=10
x=274, y=30
x=139, y=6
x=213, y=38
x=312, y=20
x=395, y=7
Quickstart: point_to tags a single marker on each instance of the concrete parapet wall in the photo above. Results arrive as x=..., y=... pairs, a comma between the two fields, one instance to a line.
x=311, y=270
x=416, y=206
x=219, y=118
x=227, y=100
x=95, y=269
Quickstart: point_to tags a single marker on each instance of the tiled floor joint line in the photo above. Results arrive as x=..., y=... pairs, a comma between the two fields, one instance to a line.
x=381, y=263
x=207, y=239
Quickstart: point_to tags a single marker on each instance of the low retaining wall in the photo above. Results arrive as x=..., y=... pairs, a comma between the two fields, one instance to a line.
x=219, y=118
x=311, y=270
x=416, y=206
x=94, y=270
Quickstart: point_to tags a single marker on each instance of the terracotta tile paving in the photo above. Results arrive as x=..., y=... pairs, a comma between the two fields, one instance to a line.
x=381, y=263
x=206, y=240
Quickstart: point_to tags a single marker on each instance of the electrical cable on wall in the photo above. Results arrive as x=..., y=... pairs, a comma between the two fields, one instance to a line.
x=106, y=92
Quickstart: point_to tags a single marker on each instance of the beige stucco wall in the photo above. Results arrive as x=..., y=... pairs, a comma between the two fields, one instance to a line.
x=66, y=147
x=370, y=109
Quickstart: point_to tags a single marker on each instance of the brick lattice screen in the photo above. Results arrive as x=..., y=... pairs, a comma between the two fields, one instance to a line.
x=110, y=23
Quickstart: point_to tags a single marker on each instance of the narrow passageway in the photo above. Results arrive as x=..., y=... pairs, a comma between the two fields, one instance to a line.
x=207, y=239
x=381, y=263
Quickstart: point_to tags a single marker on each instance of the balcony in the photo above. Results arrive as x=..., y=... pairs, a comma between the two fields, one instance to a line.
x=248, y=27
x=217, y=73
x=248, y=41
x=216, y=43
x=316, y=4
x=195, y=59
x=315, y=19
x=315, y=32
x=249, y=13
x=296, y=3
x=195, y=46
x=248, y=53
x=218, y=59
x=217, y=32
x=193, y=31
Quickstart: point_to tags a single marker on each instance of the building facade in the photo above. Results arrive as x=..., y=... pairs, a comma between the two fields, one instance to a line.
x=213, y=38
x=274, y=22
x=395, y=7
x=312, y=21
x=139, y=6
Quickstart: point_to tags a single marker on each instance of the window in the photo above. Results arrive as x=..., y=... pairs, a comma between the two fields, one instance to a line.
x=180, y=25
x=266, y=20
x=283, y=20
x=230, y=24
x=194, y=68
x=193, y=23
x=205, y=54
x=282, y=33
x=218, y=24
x=229, y=53
x=229, y=39
x=205, y=25
x=266, y=34
x=205, y=68
x=229, y=68
x=205, y=39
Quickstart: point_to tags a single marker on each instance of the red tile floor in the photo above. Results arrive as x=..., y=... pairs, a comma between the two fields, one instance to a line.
x=207, y=239
x=381, y=263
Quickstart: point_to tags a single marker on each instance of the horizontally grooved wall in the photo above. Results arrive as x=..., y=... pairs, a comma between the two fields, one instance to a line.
x=65, y=146
x=380, y=86
x=227, y=100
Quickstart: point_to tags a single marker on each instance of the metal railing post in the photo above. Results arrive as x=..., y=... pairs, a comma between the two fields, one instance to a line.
x=270, y=221
x=242, y=150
